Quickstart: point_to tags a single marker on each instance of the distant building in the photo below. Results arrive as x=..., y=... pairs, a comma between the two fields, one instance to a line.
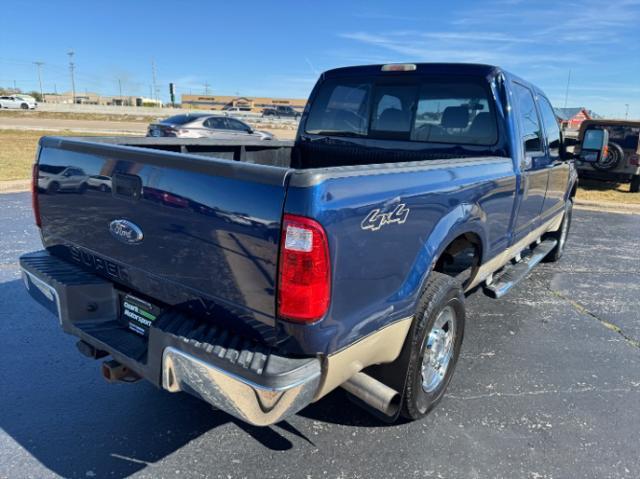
x=89, y=98
x=572, y=118
x=253, y=104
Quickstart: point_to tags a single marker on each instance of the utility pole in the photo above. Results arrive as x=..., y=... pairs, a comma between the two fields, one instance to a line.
x=566, y=94
x=72, y=67
x=15, y=87
x=153, y=73
x=39, y=65
x=626, y=113
x=120, y=89
x=206, y=88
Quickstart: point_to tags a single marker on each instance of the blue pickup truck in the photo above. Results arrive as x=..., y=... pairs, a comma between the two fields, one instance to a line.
x=260, y=277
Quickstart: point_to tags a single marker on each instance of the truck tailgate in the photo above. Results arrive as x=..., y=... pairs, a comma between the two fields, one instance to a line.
x=185, y=231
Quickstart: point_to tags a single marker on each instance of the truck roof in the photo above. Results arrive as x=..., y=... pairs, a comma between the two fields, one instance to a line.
x=465, y=69
x=473, y=69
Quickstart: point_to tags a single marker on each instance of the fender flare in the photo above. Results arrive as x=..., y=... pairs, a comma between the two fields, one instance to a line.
x=463, y=218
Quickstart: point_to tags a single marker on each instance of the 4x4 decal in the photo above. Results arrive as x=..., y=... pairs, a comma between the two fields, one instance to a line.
x=376, y=220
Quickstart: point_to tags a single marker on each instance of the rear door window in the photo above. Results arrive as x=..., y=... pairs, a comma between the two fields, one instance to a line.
x=236, y=125
x=215, y=123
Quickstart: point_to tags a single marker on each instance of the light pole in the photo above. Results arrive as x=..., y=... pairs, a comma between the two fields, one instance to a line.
x=39, y=65
x=626, y=112
x=566, y=94
x=72, y=67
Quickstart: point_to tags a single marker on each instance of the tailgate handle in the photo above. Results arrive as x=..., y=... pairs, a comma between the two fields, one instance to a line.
x=127, y=186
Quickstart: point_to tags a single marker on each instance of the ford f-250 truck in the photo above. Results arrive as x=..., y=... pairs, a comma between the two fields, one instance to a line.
x=260, y=277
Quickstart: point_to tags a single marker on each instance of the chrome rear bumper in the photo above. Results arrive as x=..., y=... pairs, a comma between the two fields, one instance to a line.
x=253, y=403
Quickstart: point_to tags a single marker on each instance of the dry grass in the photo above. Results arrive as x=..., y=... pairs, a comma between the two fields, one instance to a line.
x=608, y=192
x=18, y=149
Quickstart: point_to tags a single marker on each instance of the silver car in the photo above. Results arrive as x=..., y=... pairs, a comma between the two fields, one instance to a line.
x=24, y=102
x=202, y=125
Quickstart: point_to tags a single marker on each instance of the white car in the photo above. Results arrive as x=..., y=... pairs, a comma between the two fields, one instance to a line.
x=24, y=102
x=100, y=182
x=53, y=179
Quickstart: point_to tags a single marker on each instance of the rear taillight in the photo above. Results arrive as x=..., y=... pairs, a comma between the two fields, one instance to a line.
x=34, y=195
x=304, y=285
x=634, y=160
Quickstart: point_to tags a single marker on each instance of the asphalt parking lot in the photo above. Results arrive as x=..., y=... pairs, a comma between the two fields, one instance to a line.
x=548, y=386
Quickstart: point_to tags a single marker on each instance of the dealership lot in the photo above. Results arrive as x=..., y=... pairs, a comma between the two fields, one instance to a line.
x=548, y=386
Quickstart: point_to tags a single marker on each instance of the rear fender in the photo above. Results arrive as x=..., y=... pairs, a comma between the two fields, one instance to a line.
x=464, y=218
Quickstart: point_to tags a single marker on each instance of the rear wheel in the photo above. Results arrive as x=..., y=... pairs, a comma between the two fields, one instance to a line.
x=635, y=184
x=436, y=340
x=53, y=187
x=561, y=235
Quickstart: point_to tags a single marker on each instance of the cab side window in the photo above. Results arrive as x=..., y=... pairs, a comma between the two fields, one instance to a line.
x=528, y=118
x=551, y=127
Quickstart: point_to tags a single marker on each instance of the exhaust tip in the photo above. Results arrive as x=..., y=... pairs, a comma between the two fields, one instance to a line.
x=374, y=393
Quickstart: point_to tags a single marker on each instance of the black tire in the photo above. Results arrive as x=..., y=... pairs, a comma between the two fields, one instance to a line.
x=614, y=156
x=442, y=293
x=53, y=188
x=635, y=184
x=561, y=235
x=103, y=188
x=24, y=106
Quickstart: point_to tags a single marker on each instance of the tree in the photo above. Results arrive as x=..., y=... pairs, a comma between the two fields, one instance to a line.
x=36, y=95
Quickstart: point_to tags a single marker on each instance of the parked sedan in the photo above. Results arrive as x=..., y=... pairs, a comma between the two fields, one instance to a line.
x=23, y=102
x=206, y=126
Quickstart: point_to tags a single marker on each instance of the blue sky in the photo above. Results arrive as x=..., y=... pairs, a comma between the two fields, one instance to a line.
x=279, y=48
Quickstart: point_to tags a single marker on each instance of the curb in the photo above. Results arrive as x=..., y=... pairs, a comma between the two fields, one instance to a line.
x=15, y=186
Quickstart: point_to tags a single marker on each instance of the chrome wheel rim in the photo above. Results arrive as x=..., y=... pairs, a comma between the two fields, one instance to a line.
x=438, y=349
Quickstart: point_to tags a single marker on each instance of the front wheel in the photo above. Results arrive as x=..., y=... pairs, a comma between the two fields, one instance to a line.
x=24, y=106
x=436, y=340
x=635, y=184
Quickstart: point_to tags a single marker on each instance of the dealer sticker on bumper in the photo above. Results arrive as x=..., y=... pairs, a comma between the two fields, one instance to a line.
x=139, y=314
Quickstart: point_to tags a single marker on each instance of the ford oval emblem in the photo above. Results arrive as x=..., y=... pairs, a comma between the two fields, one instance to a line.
x=126, y=231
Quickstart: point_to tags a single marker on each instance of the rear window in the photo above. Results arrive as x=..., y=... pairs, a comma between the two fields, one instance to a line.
x=51, y=169
x=179, y=119
x=428, y=110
